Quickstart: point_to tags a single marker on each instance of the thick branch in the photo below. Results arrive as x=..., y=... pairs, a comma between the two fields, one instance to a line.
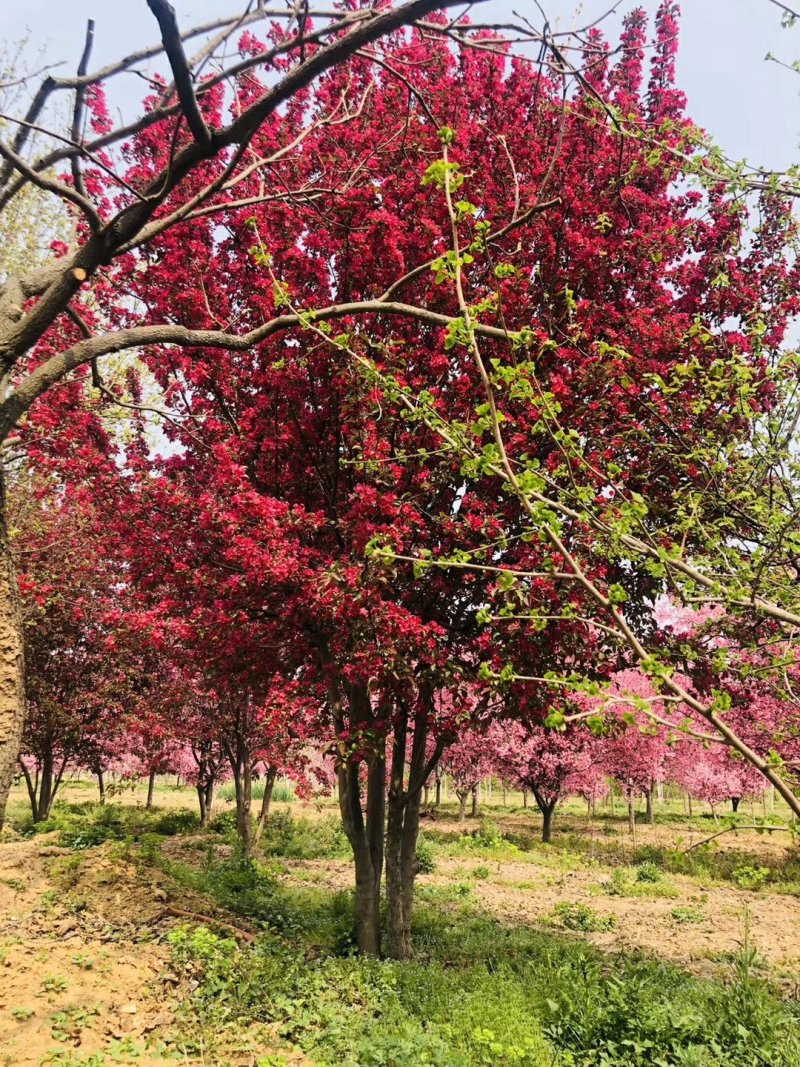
x=56, y=368
x=173, y=47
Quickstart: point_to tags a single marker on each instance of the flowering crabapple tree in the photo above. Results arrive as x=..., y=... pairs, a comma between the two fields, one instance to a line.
x=709, y=773
x=305, y=446
x=77, y=693
x=60, y=316
x=550, y=764
x=468, y=760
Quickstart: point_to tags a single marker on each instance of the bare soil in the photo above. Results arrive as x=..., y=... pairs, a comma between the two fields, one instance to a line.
x=79, y=972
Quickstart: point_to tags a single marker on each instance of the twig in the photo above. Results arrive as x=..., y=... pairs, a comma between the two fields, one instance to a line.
x=77, y=114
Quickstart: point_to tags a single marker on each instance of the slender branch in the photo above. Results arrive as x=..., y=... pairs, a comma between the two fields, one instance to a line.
x=55, y=368
x=735, y=829
x=78, y=110
x=51, y=185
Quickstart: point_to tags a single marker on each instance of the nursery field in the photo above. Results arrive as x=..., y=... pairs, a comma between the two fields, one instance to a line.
x=129, y=936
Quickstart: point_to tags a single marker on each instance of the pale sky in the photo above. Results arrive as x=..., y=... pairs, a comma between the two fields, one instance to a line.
x=751, y=107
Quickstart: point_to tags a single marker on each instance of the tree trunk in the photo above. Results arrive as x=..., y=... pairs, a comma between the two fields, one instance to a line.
x=735, y=803
x=524, y=798
x=547, y=823
x=475, y=790
x=462, y=805
x=365, y=835
x=12, y=665
x=546, y=807
x=151, y=785
x=42, y=788
x=101, y=785
x=648, y=811
x=402, y=829
x=425, y=791
x=205, y=796
x=364, y=829
x=243, y=784
x=438, y=799
x=689, y=803
x=631, y=816
x=269, y=785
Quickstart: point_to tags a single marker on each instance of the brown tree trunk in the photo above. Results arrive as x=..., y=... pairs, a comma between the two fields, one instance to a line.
x=402, y=828
x=735, y=803
x=364, y=831
x=363, y=826
x=438, y=799
x=243, y=784
x=42, y=788
x=101, y=785
x=12, y=664
x=547, y=808
x=266, y=800
x=648, y=811
x=151, y=785
x=205, y=796
x=462, y=805
x=524, y=798
x=631, y=816
x=475, y=789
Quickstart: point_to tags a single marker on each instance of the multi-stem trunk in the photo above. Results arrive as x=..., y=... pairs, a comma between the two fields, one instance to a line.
x=402, y=827
x=12, y=667
x=43, y=785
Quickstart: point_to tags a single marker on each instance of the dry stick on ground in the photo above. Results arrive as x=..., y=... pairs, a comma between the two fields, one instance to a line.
x=735, y=829
x=180, y=913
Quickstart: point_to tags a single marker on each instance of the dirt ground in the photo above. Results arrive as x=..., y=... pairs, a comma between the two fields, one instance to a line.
x=79, y=972
x=84, y=968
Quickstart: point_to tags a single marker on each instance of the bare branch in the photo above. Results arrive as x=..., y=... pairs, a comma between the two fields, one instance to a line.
x=77, y=114
x=51, y=185
x=173, y=47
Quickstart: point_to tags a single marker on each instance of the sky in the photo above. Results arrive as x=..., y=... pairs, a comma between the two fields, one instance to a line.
x=751, y=107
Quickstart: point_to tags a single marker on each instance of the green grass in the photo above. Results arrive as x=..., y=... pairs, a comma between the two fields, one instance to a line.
x=478, y=992
x=86, y=824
